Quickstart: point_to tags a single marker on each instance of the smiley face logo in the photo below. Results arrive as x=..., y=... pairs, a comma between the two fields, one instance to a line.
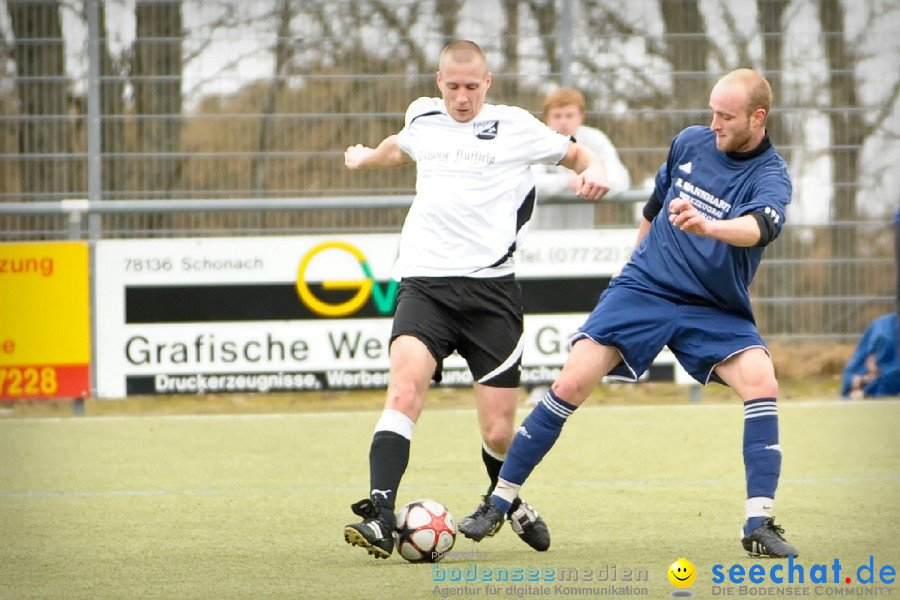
x=682, y=573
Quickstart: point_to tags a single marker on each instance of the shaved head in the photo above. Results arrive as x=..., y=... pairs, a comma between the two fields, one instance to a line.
x=462, y=52
x=756, y=89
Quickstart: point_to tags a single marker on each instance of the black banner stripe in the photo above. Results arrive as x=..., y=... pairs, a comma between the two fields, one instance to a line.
x=277, y=302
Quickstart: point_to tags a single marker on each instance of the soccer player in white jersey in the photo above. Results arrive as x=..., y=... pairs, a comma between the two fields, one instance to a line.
x=474, y=197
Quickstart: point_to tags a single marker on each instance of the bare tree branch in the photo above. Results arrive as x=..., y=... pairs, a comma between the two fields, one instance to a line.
x=736, y=34
x=886, y=109
x=601, y=18
x=207, y=39
x=604, y=19
x=546, y=18
x=390, y=16
x=203, y=82
x=648, y=84
x=448, y=13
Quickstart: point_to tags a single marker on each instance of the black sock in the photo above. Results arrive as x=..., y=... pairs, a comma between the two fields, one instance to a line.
x=493, y=466
x=388, y=457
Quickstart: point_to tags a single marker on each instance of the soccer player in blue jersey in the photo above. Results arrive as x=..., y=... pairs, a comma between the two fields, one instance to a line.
x=719, y=199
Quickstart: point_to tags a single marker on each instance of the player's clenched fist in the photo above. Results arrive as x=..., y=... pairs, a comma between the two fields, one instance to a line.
x=355, y=156
x=591, y=184
x=686, y=217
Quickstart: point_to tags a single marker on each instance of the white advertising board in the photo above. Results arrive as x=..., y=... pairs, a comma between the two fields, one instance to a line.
x=306, y=312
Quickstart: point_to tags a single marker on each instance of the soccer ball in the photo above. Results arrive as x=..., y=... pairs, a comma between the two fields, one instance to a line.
x=425, y=531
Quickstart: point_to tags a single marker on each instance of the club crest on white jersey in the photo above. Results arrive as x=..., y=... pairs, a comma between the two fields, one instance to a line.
x=486, y=130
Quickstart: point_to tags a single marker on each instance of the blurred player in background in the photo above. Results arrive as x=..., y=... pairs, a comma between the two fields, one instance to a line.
x=564, y=112
x=474, y=197
x=720, y=198
x=897, y=261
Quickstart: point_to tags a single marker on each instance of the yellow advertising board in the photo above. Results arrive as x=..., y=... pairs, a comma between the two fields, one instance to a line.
x=45, y=345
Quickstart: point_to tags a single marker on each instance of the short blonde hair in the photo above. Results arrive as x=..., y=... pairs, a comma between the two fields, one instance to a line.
x=564, y=97
x=462, y=51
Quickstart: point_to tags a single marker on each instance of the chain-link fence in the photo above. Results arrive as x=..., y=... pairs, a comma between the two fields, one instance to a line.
x=168, y=99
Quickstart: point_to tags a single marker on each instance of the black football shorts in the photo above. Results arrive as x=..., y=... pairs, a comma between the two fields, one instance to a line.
x=479, y=318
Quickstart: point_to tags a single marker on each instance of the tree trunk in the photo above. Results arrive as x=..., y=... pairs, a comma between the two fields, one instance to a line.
x=847, y=130
x=688, y=47
x=157, y=91
x=43, y=134
x=509, y=91
x=548, y=22
x=112, y=135
x=772, y=31
x=258, y=166
x=448, y=13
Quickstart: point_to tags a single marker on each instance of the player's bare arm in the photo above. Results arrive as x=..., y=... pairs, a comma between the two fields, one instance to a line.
x=643, y=231
x=591, y=182
x=386, y=154
x=742, y=231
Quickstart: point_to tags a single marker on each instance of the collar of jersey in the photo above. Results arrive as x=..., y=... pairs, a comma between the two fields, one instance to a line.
x=764, y=145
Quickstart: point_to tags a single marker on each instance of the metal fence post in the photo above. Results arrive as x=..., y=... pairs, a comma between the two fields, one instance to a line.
x=95, y=38
x=94, y=166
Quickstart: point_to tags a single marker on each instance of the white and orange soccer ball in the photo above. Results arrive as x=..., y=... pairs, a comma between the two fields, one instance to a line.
x=425, y=531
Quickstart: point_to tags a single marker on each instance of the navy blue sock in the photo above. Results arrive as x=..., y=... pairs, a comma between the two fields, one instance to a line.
x=534, y=438
x=752, y=523
x=762, y=459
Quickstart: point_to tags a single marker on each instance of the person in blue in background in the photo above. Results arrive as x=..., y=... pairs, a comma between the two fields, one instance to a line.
x=897, y=261
x=719, y=199
x=874, y=368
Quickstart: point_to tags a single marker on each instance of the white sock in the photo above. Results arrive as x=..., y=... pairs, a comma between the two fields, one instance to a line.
x=759, y=507
x=506, y=492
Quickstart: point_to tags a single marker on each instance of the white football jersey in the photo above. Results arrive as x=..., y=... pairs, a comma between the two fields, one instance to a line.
x=474, y=188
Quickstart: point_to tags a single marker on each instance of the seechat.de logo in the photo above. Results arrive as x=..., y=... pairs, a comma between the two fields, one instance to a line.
x=795, y=573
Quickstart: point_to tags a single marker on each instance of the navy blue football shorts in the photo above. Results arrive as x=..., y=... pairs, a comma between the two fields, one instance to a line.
x=639, y=324
x=479, y=318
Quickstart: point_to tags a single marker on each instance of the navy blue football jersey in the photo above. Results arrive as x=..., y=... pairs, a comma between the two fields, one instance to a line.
x=696, y=269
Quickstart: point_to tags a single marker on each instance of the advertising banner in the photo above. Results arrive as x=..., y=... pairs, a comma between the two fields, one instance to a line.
x=45, y=345
x=307, y=312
